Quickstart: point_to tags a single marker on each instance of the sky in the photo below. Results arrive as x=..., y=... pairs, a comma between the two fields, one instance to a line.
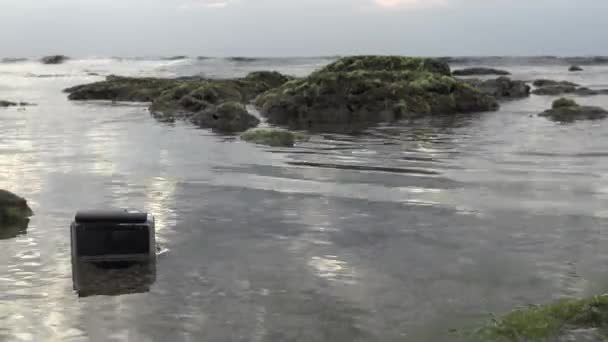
x=272, y=28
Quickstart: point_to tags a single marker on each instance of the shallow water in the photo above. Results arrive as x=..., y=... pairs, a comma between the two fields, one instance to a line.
x=397, y=234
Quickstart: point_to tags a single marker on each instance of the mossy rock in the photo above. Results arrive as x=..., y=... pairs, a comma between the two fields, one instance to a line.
x=356, y=92
x=548, y=322
x=388, y=63
x=13, y=208
x=564, y=102
x=566, y=110
x=270, y=136
x=180, y=97
x=227, y=117
x=118, y=88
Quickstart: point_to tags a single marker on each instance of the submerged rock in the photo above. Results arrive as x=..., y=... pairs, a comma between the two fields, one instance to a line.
x=567, y=110
x=274, y=137
x=55, y=59
x=13, y=208
x=575, y=68
x=501, y=88
x=227, y=117
x=479, y=72
x=355, y=92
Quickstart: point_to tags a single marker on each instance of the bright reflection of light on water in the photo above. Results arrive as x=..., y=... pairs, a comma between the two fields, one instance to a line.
x=331, y=268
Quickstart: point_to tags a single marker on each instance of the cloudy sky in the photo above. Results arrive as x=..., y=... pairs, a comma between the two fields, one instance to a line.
x=302, y=27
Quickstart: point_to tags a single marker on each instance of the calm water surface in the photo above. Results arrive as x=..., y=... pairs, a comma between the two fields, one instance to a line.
x=397, y=234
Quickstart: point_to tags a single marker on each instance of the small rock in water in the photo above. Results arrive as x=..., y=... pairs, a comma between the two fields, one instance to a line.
x=567, y=110
x=13, y=208
x=575, y=68
x=547, y=83
x=4, y=103
x=55, y=59
x=274, y=137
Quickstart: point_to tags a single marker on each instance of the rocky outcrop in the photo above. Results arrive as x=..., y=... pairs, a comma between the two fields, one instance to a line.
x=227, y=117
x=479, y=72
x=502, y=88
x=575, y=68
x=356, y=92
x=274, y=137
x=13, y=208
x=567, y=110
x=192, y=98
x=55, y=59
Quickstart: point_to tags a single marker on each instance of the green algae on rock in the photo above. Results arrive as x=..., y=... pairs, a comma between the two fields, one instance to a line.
x=227, y=117
x=13, y=208
x=549, y=322
x=274, y=137
x=479, y=72
x=567, y=110
x=355, y=92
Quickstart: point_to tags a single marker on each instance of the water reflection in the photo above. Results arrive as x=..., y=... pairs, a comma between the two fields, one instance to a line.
x=13, y=229
x=112, y=279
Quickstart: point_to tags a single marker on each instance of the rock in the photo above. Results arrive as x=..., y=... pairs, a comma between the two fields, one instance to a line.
x=501, y=88
x=13, y=208
x=269, y=136
x=4, y=103
x=227, y=117
x=179, y=98
x=583, y=91
x=549, y=83
x=117, y=88
x=56, y=59
x=479, y=71
x=174, y=58
x=575, y=68
x=566, y=110
x=387, y=64
x=355, y=92
x=554, y=90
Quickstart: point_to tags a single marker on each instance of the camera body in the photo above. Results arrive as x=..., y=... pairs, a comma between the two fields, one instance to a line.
x=113, y=236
